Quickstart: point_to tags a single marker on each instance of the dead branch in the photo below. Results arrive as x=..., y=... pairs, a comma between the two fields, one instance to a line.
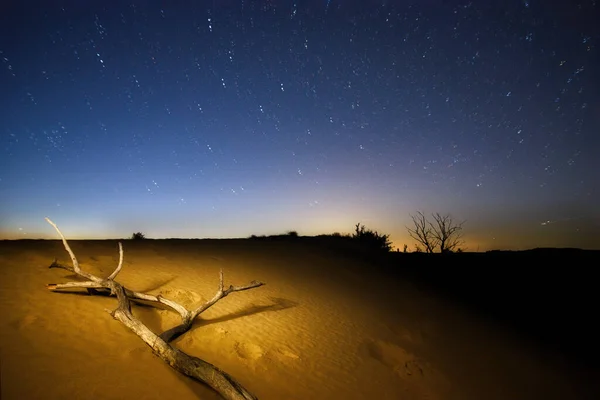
x=189, y=317
x=191, y=366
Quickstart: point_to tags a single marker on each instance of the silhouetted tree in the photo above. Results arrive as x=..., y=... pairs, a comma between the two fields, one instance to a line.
x=423, y=233
x=443, y=233
x=447, y=232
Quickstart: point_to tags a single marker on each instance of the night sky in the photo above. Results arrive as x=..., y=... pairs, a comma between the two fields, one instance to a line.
x=230, y=118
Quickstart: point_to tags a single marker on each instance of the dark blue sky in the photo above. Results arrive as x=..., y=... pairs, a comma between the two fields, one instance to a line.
x=231, y=118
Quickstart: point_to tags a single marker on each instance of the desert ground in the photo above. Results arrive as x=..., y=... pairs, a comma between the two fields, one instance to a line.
x=325, y=326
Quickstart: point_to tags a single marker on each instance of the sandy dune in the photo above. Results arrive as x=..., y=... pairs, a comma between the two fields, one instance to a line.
x=322, y=328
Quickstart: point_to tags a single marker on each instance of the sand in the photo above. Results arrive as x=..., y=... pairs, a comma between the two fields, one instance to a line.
x=323, y=327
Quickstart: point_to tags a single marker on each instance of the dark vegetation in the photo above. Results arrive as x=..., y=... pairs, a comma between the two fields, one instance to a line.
x=371, y=240
x=285, y=236
x=363, y=240
x=138, y=236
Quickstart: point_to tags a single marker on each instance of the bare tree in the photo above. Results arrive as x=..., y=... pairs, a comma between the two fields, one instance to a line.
x=193, y=367
x=443, y=232
x=423, y=233
x=447, y=232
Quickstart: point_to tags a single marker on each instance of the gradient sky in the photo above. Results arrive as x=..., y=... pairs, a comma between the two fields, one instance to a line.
x=232, y=118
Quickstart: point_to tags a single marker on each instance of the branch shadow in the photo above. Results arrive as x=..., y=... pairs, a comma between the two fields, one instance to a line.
x=83, y=291
x=278, y=304
x=155, y=286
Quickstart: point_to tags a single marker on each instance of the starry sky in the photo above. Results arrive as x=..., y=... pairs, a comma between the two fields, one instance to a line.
x=218, y=119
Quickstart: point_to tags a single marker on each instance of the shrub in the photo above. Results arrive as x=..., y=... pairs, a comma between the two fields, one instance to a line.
x=372, y=240
x=292, y=234
x=138, y=236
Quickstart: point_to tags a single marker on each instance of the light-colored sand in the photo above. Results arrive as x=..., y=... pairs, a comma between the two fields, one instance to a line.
x=321, y=328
